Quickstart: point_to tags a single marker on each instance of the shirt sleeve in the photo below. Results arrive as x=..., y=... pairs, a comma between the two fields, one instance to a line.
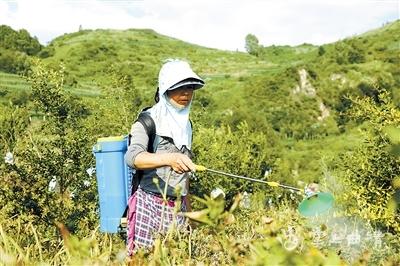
x=139, y=143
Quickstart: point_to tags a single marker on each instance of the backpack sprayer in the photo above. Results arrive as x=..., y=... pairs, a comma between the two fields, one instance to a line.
x=315, y=202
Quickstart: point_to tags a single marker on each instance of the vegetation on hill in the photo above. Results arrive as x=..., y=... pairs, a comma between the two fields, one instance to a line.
x=327, y=114
x=15, y=48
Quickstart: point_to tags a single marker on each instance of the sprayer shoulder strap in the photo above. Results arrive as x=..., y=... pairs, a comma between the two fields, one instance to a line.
x=150, y=128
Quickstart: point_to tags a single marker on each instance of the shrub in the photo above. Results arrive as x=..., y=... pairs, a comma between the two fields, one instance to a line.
x=241, y=151
x=369, y=171
x=55, y=150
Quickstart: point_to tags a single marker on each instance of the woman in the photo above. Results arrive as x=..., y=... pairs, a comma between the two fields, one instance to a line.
x=167, y=169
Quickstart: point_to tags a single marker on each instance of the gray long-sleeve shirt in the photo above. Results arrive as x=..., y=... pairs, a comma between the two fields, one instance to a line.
x=139, y=144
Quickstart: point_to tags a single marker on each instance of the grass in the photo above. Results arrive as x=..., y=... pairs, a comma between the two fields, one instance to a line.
x=10, y=83
x=256, y=234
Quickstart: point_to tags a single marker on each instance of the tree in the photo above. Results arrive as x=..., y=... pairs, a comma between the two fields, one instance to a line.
x=19, y=40
x=321, y=51
x=252, y=46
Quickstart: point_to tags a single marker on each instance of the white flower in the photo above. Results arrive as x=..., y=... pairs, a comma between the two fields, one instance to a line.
x=9, y=158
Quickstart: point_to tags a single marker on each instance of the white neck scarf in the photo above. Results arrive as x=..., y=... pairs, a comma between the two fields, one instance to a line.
x=172, y=122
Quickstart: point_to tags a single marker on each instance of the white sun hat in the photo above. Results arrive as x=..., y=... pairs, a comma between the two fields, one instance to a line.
x=176, y=73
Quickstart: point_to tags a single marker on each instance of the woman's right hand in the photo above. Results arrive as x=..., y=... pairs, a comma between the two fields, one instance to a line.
x=181, y=163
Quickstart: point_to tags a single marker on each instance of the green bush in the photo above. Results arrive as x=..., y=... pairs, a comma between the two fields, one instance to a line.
x=18, y=40
x=13, y=61
x=55, y=150
x=370, y=170
x=239, y=152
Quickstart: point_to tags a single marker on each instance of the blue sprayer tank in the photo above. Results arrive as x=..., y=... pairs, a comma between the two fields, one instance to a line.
x=113, y=181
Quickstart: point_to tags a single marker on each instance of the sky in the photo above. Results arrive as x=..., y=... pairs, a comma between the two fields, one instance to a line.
x=221, y=24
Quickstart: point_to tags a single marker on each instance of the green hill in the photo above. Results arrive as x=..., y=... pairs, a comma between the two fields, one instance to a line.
x=299, y=92
x=88, y=55
x=267, y=82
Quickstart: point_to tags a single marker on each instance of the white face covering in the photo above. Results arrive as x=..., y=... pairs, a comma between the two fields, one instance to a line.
x=172, y=121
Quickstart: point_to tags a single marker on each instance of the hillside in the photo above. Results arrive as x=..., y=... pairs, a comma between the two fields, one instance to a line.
x=298, y=92
x=138, y=53
x=261, y=90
